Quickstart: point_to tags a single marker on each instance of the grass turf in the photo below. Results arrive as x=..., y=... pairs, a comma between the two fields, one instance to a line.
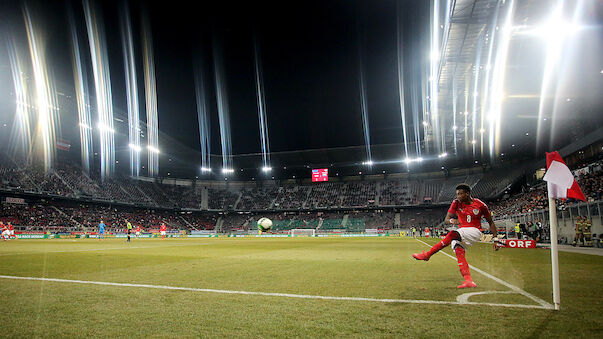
x=350, y=267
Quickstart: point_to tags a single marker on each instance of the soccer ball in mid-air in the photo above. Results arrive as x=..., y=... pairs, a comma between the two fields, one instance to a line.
x=264, y=224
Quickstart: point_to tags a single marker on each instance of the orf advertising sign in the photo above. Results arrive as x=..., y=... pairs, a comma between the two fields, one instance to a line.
x=518, y=243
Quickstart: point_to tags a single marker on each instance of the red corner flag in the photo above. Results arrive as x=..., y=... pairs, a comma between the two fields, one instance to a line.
x=559, y=178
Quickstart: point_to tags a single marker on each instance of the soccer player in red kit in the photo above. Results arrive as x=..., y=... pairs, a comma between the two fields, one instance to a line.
x=11, y=231
x=469, y=212
x=163, y=230
x=4, y=231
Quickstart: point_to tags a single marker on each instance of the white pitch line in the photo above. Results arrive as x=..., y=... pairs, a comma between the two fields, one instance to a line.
x=268, y=294
x=542, y=303
x=102, y=249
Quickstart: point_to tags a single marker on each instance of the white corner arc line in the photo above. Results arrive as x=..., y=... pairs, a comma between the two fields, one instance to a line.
x=542, y=303
x=268, y=294
x=464, y=298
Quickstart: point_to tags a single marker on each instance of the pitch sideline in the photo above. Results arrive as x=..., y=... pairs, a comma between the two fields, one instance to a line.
x=268, y=294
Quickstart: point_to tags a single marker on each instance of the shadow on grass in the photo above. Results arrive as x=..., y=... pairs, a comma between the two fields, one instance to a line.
x=541, y=328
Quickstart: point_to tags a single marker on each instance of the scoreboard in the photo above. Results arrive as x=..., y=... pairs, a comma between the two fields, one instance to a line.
x=321, y=174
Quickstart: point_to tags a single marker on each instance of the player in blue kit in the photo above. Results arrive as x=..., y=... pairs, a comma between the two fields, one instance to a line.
x=101, y=230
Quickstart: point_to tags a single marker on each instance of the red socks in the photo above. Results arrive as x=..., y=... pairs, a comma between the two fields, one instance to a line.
x=452, y=235
x=463, y=265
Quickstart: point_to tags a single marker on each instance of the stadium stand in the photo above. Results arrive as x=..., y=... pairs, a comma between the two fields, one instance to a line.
x=222, y=199
x=359, y=194
x=352, y=205
x=324, y=196
x=257, y=198
x=496, y=181
x=291, y=197
x=396, y=193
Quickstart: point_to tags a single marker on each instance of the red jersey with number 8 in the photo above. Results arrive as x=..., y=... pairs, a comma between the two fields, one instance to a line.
x=469, y=215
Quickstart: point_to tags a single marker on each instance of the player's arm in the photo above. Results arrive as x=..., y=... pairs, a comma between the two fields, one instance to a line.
x=493, y=229
x=450, y=219
x=451, y=213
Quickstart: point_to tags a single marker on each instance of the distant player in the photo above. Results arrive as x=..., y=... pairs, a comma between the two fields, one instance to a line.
x=11, y=231
x=5, y=233
x=137, y=231
x=101, y=230
x=163, y=230
x=426, y=232
x=129, y=229
x=469, y=212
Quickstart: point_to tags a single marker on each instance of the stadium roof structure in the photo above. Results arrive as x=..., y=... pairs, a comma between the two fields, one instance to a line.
x=470, y=20
x=473, y=33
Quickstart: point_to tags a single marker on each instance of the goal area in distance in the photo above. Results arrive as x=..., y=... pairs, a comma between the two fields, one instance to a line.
x=310, y=232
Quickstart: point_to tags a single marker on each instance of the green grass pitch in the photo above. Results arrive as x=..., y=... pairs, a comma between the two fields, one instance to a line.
x=377, y=268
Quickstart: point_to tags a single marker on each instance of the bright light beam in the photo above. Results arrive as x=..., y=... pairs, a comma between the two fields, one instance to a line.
x=363, y=100
x=498, y=80
x=127, y=44
x=454, y=112
x=400, y=51
x=484, y=100
x=555, y=31
x=102, y=85
x=22, y=112
x=223, y=110
x=82, y=96
x=259, y=86
x=45, y=94
x=476, y=66
x=203, y=118
x=570, y=51
x=150, y=85
x=434, y=70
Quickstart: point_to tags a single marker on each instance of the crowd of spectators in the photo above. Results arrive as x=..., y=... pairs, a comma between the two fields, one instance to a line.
x=592, y=184
x=396, y=193
x=185, y=196
x=359, y=194
x=420, y=218
x=68, y=180
x=257, y=198
x=35, y=217
x=237, y=221
x=324, y=195
x=200, y=221
x=291, y=197
x=535, y=197
x=375, y=219
x=222, y=199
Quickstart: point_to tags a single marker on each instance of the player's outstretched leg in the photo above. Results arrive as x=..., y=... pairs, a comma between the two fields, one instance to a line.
x=452, y=235
x=464, y=267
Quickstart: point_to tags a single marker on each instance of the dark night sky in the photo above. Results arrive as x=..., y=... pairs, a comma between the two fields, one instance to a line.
x=309, y=57
x=310, y=63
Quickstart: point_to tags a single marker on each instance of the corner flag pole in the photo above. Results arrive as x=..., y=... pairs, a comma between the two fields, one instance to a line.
x=560, y=184
x=554, y=252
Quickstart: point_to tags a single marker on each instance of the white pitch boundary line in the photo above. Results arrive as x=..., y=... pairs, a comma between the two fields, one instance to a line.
x=542, y=303
x=268, y=294
x=102, y=249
